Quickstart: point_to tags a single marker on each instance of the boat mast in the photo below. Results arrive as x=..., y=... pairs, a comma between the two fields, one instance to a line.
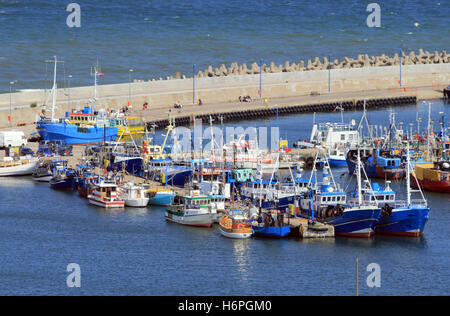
x=54, y=88
x=428, y=131
x=358, y=177
x=408, y=173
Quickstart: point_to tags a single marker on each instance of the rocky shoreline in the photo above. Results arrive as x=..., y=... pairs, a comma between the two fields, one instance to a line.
x=363, y=60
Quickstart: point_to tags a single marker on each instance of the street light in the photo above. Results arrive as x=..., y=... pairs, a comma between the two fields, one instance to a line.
x=129, y=86
x=11, y=83
x=68, y=103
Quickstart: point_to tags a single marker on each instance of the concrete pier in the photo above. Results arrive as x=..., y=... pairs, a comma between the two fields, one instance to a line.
x=220, y=94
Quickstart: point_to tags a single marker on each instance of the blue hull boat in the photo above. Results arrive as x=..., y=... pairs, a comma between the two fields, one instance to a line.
x=271, y=231
x=75, y=135
x=408, y=222
x=64, y=184
x=356, y=223
x=282, y=204
x=337, y=162
x=162, y=199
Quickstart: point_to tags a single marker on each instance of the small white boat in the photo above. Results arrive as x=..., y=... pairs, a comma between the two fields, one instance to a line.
x=106, y=195
x=135, y=195
x=42, y=172
x=20, y=167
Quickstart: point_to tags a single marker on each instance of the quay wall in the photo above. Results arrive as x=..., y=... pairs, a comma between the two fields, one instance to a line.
x=224, y=90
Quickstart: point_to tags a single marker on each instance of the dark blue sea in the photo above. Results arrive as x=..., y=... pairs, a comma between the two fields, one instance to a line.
x=160, y=38
x=136, y=252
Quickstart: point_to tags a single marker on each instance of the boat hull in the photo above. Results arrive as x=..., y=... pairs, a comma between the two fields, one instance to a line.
x=143, y=202
x=271, y=231
x=43, y=178
x=74, y=135
x=354, y=223
x=235, y=235
x=335, y=162
x=408, y=222
x=162, y=199
x=19, y=170
x=378, y=172
x=61, y=185
x=106, y=204
x=430, y=185
x=200, y=220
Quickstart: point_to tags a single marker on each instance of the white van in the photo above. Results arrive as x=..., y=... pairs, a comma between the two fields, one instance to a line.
x=12, y=139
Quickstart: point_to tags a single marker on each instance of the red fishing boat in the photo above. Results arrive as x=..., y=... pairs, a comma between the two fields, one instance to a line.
x=433, y=177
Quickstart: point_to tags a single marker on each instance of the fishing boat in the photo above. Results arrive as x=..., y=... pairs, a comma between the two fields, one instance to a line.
x=235, y=222
x=18, y=166
x=235, y=225
x=135, y=195
x=191, y=210
x=271, y=225
x=432, y=177
x=106, y=195
x=160, y=196
x=333, y=137
x=401, y=218
x=87, y=182
x=128, y=127
x=42, y=172
x=380, y=164
x=80, y=128
x=328, y=204
x=63, y=179
x=274, y=193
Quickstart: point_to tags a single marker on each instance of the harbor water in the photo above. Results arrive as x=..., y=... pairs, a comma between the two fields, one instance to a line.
x=136, y=252
x=160, y=38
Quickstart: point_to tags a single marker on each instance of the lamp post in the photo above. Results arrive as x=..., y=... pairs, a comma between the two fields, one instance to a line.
x=193, y=84
x=260, y=78
x=10, y=100
x=68, y=94
x=129, y=86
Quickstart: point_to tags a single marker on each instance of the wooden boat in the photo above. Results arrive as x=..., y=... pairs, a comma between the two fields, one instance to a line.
x=235, y=226
x=106, y=195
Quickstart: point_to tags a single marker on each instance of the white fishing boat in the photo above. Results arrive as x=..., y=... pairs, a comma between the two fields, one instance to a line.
x=192, y=210
x=106, y=195
x=23, y=166
x=135, y=195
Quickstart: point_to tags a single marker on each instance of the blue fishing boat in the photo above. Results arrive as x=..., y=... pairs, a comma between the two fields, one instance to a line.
x=273, y=193
x=63, y=179
x=165, y=171
x=267, y=226
x=81, y=128
x=355, y=217
x=401, y=218
x=381, y=164
x=161, y=197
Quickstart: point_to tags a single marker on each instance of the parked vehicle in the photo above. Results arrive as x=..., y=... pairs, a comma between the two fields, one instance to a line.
x=12, y=139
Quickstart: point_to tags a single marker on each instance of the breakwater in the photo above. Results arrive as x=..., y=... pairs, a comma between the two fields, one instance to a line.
x=284, y=110
x=363, y=60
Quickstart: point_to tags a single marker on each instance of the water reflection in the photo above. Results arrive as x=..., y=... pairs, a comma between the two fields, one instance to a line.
x=241, y=248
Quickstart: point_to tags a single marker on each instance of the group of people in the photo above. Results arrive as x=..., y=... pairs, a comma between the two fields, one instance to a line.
x=245, y=98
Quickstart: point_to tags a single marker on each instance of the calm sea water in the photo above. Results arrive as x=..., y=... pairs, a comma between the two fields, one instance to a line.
x=137, y=252
x=160, y=38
